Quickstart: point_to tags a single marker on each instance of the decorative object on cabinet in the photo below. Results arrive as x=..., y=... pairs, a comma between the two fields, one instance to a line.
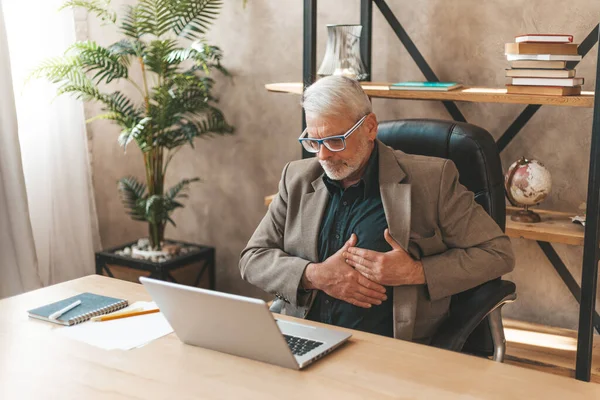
x=342, y=56
x=527, y=183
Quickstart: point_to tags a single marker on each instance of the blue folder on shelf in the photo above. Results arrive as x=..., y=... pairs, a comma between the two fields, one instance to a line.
x=433, y=86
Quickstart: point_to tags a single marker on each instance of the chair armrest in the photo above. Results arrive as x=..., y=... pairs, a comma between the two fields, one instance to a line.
x=469, y=309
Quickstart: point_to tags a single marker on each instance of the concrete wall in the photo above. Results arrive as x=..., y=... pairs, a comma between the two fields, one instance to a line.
x=463, y=40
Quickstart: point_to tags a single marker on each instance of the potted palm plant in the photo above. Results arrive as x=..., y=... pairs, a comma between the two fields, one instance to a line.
x=165, y=41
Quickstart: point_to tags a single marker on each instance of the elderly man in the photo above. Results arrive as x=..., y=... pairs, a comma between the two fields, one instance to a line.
x=367, y=237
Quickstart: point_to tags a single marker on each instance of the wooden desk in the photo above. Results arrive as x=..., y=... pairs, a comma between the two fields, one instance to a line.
x=36, y=363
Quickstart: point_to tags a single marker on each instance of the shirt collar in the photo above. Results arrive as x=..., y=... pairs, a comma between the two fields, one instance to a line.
x=369, y=180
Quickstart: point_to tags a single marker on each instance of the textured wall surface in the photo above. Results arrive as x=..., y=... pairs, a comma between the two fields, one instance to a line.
x=463, y=40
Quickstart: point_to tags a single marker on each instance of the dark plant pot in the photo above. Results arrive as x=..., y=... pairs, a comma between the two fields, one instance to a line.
x=194, y=268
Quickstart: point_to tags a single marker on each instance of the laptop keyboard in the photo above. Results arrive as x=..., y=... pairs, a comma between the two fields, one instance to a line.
x=300, y=346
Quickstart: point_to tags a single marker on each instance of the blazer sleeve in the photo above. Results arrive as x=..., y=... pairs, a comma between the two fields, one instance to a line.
x=478, y=250
x=263, y=262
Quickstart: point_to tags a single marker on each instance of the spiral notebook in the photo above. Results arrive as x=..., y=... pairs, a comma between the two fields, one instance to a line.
x=91, y=305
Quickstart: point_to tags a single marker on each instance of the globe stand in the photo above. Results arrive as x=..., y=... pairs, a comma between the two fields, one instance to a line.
x=526, y=216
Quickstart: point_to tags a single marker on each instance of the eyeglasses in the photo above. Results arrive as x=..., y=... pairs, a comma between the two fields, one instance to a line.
x=333, y=143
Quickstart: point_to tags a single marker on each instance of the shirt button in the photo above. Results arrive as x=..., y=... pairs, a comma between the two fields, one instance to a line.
x=337, y=236
x=345, y=203
x=326, y=301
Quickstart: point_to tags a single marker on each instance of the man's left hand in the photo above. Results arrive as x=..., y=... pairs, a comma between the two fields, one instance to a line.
x=393, y=268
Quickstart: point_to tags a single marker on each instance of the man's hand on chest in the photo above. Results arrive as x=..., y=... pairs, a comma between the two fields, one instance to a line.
x=339, y=280
x=392, y=268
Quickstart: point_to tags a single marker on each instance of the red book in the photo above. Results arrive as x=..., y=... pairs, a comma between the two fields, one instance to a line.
x=544, y=38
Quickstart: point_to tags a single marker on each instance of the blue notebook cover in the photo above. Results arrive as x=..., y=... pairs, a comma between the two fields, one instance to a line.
x=425, y=85
x=91, y=305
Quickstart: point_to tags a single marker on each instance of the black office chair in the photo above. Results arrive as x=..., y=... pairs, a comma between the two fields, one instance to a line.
x=475, y=322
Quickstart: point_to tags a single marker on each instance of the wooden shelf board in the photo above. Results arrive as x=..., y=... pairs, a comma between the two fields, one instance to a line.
x=469, y=94
x=546, y=348
x=556, y=227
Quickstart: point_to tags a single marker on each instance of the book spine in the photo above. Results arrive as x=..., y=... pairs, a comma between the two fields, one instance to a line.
x=541, y=48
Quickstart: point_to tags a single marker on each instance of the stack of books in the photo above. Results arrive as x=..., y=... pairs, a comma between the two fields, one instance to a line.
x=539, y=65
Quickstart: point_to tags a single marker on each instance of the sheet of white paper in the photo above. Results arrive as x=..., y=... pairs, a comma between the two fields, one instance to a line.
x=123, y=333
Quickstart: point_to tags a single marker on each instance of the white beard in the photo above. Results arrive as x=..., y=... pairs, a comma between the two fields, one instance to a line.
x=339, y=170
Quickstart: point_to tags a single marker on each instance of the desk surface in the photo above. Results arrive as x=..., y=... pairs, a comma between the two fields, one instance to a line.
x=36, y=363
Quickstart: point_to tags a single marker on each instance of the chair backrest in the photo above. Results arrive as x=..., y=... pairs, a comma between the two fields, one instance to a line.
x=476, y=156
x=472, y=149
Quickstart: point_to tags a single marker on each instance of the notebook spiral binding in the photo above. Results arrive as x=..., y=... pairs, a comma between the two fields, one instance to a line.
x=101, y=311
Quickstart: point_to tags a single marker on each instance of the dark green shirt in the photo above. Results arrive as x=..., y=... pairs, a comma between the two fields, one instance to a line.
x=357, y=209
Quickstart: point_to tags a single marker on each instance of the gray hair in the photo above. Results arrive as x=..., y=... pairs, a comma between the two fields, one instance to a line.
x=336, y=96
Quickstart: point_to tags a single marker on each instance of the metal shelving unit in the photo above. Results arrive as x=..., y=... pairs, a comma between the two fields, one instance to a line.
x=586, y=294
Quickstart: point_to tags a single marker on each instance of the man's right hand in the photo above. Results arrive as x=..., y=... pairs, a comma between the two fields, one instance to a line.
x=336, y=278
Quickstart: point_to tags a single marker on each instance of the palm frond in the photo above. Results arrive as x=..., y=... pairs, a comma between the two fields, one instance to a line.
x=156, y=57
x=157, y=209
x=136, y=132
x=68, y=72
x=120, y=103
x=177, y=105
x=186, y=18
x=213, y=123
x=129, y=23
x=194, y=102
x=178, y=190
x=193, y=17
x=97, y=7
x=127, y=48
x=205, y=57
x=134, y=197
x=112, y=116
x=93, y=57
x=209, y=124
x=186, y=132
x=117, y=107
x=78, y=84
x=124, y=138
x=56, y=69
x=154, y=17
x=181, y=94
x=120, y=108
x=153, y=207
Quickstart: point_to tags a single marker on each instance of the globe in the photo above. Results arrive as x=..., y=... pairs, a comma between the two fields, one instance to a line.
x=527, y=183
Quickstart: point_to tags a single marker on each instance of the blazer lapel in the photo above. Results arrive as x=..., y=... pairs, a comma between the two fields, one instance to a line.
x=312, y=209
x=395, y=197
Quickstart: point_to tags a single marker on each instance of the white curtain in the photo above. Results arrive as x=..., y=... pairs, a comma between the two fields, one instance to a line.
x=53, y=144
x=18, y=265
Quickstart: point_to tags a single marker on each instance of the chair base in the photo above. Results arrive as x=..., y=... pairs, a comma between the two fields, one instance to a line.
x=495, y=318
x=497, y=329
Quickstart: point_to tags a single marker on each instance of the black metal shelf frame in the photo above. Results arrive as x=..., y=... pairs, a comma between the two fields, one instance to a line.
x=586, y=294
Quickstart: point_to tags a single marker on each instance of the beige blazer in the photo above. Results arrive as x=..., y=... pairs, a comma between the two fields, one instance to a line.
x=429, y=213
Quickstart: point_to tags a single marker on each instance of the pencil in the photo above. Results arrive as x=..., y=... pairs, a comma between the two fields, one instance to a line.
x=114, y=314
x=129, y=314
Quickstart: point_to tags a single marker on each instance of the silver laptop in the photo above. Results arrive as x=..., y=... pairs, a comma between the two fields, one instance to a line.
x=239, y=325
